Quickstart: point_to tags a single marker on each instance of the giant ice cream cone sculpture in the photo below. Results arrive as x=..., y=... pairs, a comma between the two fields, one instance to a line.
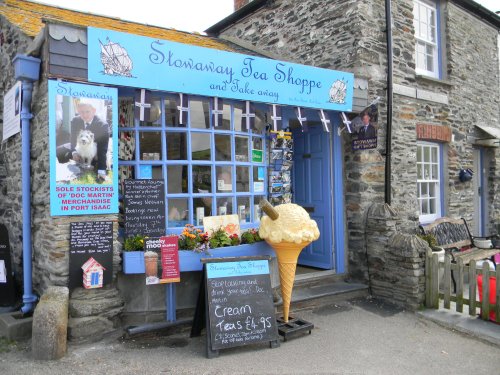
x=288, y=229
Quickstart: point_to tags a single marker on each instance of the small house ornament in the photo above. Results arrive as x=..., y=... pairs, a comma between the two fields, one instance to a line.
x=93, y=274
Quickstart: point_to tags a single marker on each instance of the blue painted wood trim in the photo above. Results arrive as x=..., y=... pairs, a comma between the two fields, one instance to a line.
x=170, y=302
x=483, y=193
x=338, y=198
x=441, y=180
x=191, y=261
x=133, y=262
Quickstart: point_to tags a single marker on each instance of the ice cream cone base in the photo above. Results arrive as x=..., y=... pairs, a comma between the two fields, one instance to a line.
x=287, y=254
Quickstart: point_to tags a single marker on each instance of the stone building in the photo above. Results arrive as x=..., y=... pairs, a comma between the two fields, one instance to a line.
x=58, y=37
x=445, y=118
x=444, y=115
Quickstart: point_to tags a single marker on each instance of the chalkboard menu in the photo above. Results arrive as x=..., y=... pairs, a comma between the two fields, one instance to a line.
x=144, y=207
x=90, y=239
x=240, y=304
x=7, y=290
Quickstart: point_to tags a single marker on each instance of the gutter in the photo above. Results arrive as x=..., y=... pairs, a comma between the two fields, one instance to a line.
x=27, y=70
x=388, y=141
x=485, y=14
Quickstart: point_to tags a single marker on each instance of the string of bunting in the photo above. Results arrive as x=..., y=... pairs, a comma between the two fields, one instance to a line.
x=249, y=114
x=302, y=118
x=217, y=111
x=276, y=117
x=142, y=105
x=183, y=110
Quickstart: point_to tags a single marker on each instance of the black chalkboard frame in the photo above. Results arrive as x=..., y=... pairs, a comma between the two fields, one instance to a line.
x=202, y=317
x=141, y=218
x=102, y=253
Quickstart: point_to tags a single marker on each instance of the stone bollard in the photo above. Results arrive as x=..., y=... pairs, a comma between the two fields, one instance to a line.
x=50, y=324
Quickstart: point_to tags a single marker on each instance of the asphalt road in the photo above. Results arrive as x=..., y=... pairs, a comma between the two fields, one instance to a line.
x=356, y=337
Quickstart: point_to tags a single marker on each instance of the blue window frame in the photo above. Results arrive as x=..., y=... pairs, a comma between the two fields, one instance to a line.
x=207, y=170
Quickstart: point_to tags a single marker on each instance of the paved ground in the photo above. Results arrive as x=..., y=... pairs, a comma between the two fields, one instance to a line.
x=356, y=337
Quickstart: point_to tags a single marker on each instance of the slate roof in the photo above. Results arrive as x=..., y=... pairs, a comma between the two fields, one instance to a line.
x=29, y=17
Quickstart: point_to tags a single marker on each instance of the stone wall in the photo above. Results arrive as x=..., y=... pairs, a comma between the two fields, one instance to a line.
x=350, y=35
x=12, y=42
x=396, y=260
x=474, y=100
x=92, y=312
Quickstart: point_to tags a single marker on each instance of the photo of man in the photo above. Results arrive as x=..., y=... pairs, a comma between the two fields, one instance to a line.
x=83, y=140
x=364, y=128
x=367, y=130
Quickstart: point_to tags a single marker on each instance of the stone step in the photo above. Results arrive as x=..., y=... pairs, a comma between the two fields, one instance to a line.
x=323, y=288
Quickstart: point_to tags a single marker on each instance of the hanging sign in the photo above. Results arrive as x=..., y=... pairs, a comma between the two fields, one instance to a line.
x=131, y=60
x=12, y=111
x=83, y=130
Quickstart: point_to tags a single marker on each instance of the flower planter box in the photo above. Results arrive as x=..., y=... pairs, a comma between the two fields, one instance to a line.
x=133, y=262
x=190, y=260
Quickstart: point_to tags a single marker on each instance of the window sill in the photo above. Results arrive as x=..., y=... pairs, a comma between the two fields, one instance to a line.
x=425, y=78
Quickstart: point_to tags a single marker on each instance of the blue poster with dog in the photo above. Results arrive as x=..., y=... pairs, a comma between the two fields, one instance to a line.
x=83, y=128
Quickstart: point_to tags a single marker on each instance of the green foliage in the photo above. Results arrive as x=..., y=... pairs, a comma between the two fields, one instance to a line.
x=219, y=238
x=134, y=243
x=430, y=239
x=7, y=345
x=250, y=236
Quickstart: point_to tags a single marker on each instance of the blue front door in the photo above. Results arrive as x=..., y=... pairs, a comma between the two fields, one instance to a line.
x=312, y=190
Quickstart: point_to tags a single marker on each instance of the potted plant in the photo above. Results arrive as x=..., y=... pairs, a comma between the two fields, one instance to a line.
x=194, y=245
x=250, y=236
x=193, y=239
x=431, y=241
x=133, y=255
x=220, y=238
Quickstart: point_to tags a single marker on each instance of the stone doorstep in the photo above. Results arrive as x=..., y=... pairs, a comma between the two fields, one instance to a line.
x=14, y=326
x=326, y=290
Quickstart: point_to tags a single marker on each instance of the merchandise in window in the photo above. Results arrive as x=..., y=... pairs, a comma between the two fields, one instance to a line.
x=207, y=170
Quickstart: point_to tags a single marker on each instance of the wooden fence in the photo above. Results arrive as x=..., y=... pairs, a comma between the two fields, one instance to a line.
x=465, y=277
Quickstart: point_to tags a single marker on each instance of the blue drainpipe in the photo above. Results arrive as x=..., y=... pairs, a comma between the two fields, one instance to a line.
x=27, y=70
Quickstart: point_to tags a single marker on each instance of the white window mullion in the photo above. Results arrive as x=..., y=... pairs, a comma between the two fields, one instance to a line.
x=428, y=183
x=426, y=48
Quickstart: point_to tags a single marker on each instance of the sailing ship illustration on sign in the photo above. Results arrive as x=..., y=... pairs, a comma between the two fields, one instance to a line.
x=115, y=59
x=338, y=92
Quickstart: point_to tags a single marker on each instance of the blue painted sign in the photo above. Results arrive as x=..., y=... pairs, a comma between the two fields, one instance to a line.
x=130, y=60
x=83, y=144
x=232, y=269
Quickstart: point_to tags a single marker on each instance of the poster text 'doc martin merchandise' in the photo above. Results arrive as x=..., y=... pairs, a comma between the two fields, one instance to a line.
x=83, y=149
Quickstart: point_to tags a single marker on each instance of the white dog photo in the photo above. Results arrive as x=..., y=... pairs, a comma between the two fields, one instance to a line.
x=86, y=147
